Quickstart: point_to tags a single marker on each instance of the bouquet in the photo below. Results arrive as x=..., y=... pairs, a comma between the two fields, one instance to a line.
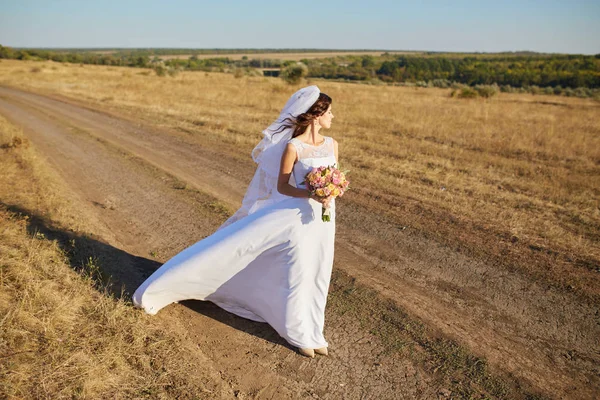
x=326, y=182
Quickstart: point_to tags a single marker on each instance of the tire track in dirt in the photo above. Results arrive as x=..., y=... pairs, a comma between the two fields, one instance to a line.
x=540, y=335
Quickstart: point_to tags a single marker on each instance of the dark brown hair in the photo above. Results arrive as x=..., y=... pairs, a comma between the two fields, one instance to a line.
x=302, y=121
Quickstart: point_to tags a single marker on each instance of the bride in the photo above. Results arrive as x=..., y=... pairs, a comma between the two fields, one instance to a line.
x=271, y=261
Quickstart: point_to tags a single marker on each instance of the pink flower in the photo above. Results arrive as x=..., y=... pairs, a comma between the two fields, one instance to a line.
x=327, y=182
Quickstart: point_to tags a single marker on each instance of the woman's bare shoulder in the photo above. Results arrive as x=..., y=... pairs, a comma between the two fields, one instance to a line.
x=291, y=151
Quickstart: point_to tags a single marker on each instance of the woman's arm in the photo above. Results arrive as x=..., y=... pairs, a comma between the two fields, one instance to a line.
x=288, y=159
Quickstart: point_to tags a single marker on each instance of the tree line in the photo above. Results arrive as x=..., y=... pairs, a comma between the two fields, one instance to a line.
x=570, y=71
x=519, y=70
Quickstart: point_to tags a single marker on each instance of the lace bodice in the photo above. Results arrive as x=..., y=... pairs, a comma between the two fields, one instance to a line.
x=310, y=156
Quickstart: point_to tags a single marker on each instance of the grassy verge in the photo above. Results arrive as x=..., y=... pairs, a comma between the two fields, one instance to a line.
x=62, y=333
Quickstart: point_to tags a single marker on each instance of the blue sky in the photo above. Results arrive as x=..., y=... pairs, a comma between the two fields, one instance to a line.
x=509, y=25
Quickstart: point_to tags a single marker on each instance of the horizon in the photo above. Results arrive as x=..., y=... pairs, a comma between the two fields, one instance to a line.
x=290, y=49
x=549, y=27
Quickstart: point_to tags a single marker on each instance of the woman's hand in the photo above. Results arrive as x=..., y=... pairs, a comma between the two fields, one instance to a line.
x=323, y=200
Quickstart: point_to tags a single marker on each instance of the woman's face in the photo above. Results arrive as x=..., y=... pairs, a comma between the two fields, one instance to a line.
x=325, y=119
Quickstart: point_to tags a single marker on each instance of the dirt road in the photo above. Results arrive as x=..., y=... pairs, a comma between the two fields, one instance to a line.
x=156, y=192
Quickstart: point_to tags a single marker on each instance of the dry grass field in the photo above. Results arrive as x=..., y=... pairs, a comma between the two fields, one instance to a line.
x=62, y=333
x=516, y=168
x=512, y=181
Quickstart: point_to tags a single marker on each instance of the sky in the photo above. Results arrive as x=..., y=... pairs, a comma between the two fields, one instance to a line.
x=435, y=25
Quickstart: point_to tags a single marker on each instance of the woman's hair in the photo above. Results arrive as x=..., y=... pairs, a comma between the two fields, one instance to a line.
x=302, y=121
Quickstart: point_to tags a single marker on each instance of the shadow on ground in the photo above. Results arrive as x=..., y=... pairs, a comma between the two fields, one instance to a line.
x=118, y=273
x=258, y=329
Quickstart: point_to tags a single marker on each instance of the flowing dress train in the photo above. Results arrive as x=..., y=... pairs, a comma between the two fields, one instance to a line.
x=272, y=266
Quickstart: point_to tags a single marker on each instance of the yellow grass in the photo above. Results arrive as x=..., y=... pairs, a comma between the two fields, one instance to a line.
x=518, y=165
x=59, y=336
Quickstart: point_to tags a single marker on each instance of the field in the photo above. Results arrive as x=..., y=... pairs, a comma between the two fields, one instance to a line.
x=470, y=236
x=283, y=56
x=295, y=56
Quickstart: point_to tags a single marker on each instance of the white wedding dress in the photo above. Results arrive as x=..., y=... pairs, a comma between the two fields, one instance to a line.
x=272, y=266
